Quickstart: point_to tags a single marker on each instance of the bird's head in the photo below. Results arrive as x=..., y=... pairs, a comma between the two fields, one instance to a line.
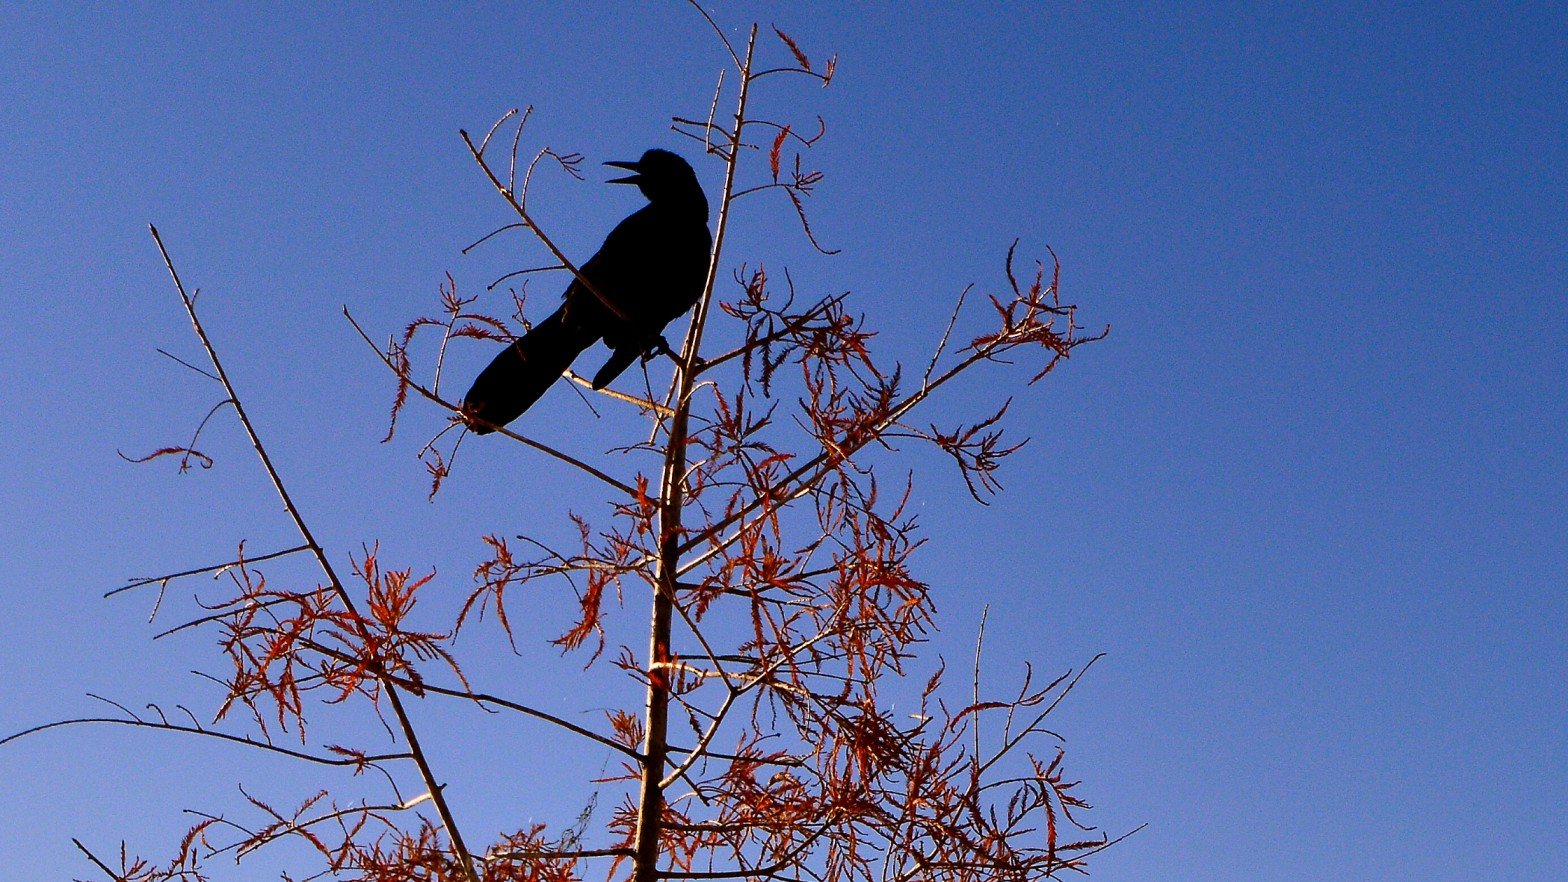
x=666, y=179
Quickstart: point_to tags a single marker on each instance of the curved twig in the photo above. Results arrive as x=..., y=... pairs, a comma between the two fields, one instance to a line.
x=221, y=736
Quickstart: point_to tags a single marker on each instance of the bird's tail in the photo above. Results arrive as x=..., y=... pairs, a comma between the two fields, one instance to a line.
x=522, y=372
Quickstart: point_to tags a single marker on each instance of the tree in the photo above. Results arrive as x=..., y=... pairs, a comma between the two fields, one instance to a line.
x=785, y=610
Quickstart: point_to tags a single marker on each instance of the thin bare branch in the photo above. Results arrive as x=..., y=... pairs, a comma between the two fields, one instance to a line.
x=175, y=358
x=504, y=117
x=559, y=855
x=523, y=272
x=214, y=568
x=544, y=238
x=641, y=403
x=209, y=733
x=325, y=564
x=947, y=332
x=728, y=47
x=94, y=858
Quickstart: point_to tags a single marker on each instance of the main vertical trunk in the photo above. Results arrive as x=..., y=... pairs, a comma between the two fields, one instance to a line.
x=655, y=748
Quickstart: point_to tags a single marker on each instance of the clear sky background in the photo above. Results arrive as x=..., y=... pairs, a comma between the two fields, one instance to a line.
x=1309, y=497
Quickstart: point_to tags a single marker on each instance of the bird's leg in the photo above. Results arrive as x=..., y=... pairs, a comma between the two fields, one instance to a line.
x=661, y=346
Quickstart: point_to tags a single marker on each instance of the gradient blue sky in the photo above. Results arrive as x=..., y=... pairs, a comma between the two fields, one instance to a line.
x=1309, y=497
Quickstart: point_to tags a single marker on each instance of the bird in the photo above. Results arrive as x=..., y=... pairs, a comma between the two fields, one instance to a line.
x=652, y=267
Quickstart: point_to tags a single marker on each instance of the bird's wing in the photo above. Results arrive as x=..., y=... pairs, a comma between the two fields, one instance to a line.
x=621, y=265
x=652, y=268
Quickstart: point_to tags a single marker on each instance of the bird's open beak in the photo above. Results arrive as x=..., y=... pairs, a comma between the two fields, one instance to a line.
x=629, y=179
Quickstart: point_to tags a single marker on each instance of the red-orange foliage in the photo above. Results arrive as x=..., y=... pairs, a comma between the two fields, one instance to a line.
x=787, y=609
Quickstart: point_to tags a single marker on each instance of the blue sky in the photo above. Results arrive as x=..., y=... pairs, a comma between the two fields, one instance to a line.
x=1308, y=497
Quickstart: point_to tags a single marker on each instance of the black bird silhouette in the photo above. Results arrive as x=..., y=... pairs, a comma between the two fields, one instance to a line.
x=652, y=267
